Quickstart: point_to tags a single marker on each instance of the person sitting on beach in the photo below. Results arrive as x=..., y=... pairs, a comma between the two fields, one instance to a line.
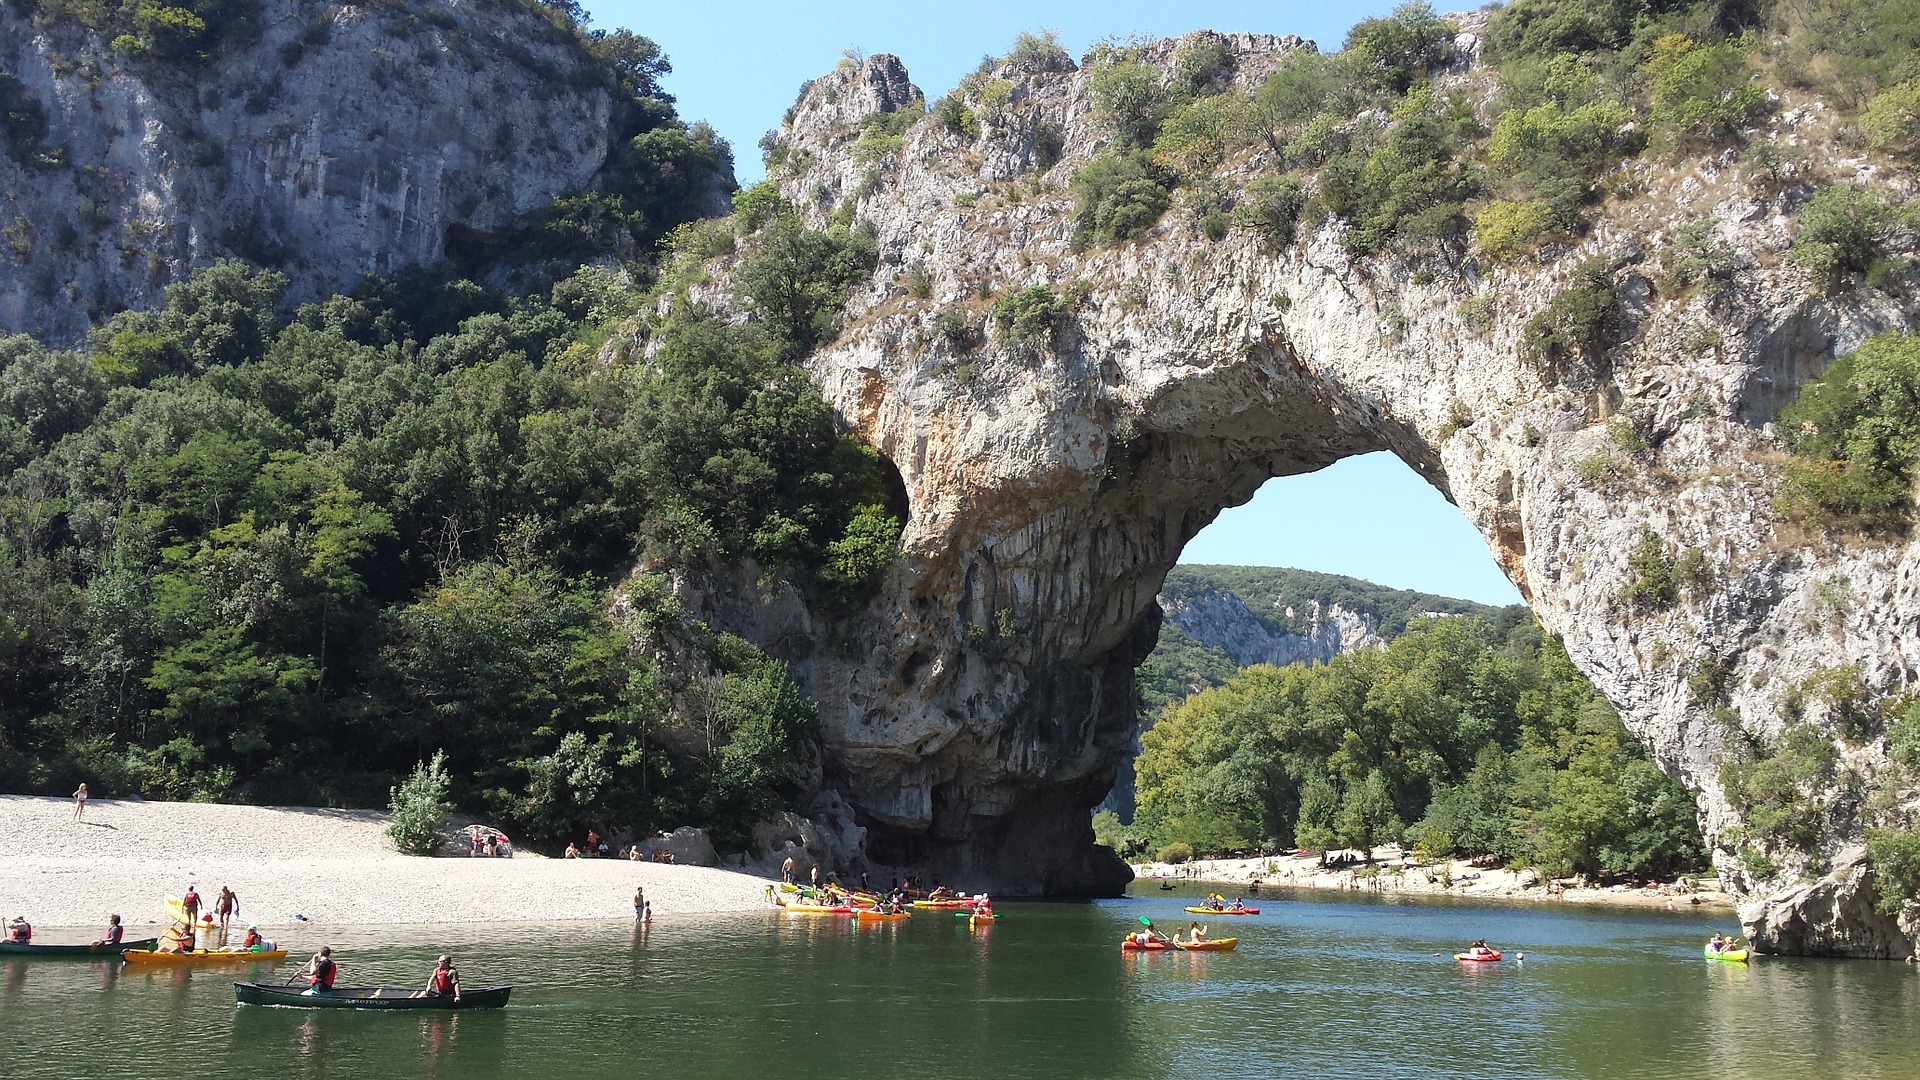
x=445, y=979
x=19, y=930
x=320, y=972
x=572, y=852
x=113, y=933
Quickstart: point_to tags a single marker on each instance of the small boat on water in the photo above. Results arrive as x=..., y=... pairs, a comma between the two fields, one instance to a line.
x=1731, y=956
x=1224, y=944
x=1478, y=956
x=1130, y=945
x=943, y=905
x=15, y=948
x=370, y=997
x=204, y=956
x=816, y=909
x=870, y=915
x=1224, y=910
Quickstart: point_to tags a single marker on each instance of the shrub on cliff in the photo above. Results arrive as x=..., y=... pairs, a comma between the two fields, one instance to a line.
x=1855, y=435
x=1775, y=791
x=1118, y=197
x=419, y=807
x=1033, y=315
x=1393, y=52
x=1896, y=868
x=1846, y=231
x=1569, y=338
x=798, y=278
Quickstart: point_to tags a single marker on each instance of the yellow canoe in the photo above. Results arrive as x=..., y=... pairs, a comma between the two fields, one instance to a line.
x=1215, y=945
x=217, y=956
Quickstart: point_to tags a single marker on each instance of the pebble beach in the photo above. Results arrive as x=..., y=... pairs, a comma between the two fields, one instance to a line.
x=295, y=865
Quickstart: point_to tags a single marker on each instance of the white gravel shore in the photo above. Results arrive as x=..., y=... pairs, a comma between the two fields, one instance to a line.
x=331, y=866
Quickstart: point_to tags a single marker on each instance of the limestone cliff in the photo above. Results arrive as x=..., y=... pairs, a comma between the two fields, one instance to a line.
x=1053, y=485
x=339, y=140
x=1223, y=621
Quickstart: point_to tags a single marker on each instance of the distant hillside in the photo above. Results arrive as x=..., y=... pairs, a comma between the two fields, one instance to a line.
x=1220, y=619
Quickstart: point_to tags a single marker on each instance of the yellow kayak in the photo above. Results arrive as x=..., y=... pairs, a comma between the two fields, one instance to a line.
x=1731, y=956
x=1215, y=945
x=216, y=956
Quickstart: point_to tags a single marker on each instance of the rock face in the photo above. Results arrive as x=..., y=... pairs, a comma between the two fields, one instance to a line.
x=344, y=140
x=1051, y=487
x=1223, y=621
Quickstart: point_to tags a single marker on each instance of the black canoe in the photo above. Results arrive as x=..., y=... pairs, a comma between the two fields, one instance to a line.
x=14, y=948
x=369, y=997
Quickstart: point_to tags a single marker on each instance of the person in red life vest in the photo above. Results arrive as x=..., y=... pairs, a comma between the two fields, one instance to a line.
x=113, y=934
x=445, y=980
x=982, y=905
x=319, y=972
x=20, y=930
x=190, y=903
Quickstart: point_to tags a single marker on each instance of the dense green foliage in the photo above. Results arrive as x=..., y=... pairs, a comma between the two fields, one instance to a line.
x=247, y=553
x=419, y=807
x=1855, y=433
x=1454, y=737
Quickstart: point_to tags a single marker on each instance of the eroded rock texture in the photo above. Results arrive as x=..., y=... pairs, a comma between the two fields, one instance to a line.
x=344, y=140
x=1053, y=485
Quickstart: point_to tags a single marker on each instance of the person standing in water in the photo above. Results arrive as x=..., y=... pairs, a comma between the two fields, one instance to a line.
x=639, y=902
x=79, y=801
x=226, y=906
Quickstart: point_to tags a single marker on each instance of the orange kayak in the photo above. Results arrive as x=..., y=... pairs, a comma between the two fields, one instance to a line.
x=1216, y=945
x=217, y=956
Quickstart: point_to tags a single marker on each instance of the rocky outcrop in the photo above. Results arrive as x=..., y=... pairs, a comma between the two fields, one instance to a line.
x=343, y=140
x=1052, y=485
x=1223, y=621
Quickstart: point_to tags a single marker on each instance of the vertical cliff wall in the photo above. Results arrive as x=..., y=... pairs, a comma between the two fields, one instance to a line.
x=338, y=140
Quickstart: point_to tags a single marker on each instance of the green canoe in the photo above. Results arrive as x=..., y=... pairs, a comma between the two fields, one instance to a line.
x=14, y=948
x=369, y=997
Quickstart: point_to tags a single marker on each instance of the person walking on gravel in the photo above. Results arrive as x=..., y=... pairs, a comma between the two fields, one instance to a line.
x=79, y=801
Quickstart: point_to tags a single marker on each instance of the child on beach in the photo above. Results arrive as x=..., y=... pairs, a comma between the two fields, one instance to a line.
x=79, y=801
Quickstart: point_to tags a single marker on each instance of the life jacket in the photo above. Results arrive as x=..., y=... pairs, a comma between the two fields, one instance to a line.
x=252, y=939
x=443, y=981
x=322, y=977
x=114, y=932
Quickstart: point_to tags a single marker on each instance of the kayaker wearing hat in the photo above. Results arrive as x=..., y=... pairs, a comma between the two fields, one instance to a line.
x=445, y=979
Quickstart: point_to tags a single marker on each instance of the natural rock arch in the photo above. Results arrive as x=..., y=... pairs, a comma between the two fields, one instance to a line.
x=1052, y=484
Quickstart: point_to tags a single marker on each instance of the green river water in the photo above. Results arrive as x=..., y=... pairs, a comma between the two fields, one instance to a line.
x=1320, y=986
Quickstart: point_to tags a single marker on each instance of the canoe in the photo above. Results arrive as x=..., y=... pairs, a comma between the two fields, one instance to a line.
x=1731, y=956
x=817, y=909
x=869, y=915
x=942, y=905
x=14, y=948
x=1477, y=957
x=1224, y=911
x=369, y=997
x=217, y=956
x=1216, y=945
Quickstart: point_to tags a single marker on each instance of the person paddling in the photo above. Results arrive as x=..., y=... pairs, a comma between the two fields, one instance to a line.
x=445, y=980
x=319, y=972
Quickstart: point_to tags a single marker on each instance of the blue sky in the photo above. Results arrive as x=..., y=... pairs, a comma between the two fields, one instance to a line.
x=739, y=65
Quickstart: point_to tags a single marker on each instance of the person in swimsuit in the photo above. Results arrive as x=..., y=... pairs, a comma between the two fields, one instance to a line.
x=79, y=801
x=445, y=979
x=320, y=972
x=227, y=905
x=640, y=901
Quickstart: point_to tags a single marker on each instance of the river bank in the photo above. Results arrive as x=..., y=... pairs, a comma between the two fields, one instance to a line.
x=293, y=865
x=1392, y=871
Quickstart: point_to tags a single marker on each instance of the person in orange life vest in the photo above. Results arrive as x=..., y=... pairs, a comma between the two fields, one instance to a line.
x=253, y=940
x=445, y=979
x=319, y=972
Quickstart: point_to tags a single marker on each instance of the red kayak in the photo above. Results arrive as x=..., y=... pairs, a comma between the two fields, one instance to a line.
x=1478, y=956
x=1130, y=945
